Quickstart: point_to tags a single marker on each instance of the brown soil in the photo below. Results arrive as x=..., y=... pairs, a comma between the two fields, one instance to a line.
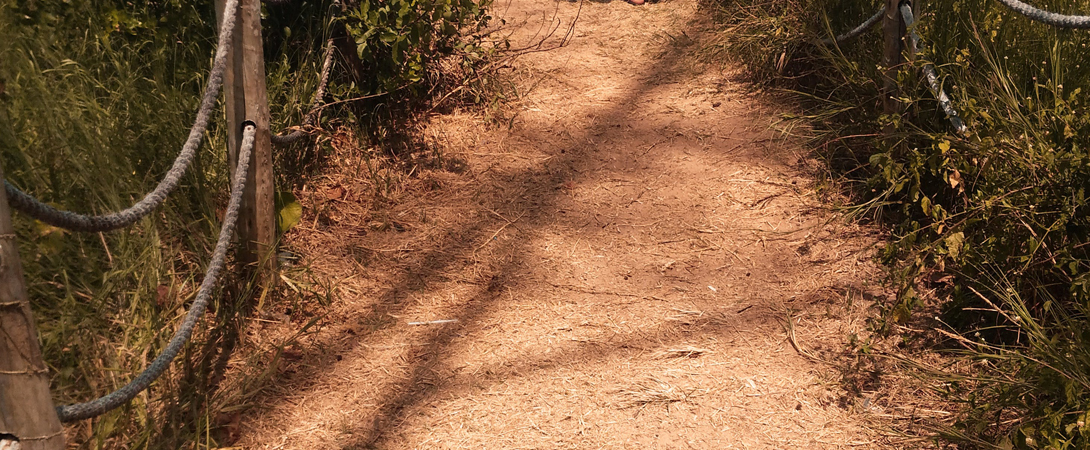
x=617, y=265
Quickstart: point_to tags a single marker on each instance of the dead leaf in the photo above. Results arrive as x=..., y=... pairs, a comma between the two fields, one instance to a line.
x=955, y=181
x=335, y=193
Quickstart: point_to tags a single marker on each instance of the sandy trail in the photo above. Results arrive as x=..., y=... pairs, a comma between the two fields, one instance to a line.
x=615, y=268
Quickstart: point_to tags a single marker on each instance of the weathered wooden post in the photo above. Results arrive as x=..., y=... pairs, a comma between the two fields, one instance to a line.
x=245, y=98
x=893, y=31
x=27, y=413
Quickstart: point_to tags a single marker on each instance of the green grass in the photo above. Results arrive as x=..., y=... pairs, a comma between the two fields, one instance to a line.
x=1004, y=206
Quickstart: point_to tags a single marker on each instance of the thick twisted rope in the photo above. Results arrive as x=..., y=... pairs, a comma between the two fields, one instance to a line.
x=71, y=413
x=854, y=32
x=80, y=222
x=311, y=116
x=1047, y=17
x=932, y=76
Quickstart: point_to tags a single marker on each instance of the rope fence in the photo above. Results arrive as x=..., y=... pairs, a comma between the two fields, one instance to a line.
x=35, y=208
x=1047, y=17
x=71, y=413
x=929, y=71
x=315, y=107
x=85, y=223
x=855, y=32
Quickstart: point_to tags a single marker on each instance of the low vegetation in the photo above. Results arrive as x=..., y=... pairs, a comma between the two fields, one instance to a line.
x=992, y=225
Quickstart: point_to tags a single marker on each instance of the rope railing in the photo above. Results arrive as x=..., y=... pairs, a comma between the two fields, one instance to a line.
x=928, y=69
x=932, y=76
x=72, y=221
x=858, y=30
x=71, y=413
x=27, y=204
x=68, y=220
x=1047, y=17
x=37, y=209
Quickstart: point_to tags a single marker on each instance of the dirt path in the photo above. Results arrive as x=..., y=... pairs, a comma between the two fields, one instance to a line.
x=618, y=266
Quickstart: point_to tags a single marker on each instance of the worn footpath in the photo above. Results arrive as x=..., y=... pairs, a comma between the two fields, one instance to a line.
x=633, y=258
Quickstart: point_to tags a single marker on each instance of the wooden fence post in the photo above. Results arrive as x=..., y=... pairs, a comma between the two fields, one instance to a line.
x=245, y=98
x=893, y=30
x=27, y=413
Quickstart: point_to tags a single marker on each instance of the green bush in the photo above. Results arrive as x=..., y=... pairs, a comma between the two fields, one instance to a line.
x=399, y=40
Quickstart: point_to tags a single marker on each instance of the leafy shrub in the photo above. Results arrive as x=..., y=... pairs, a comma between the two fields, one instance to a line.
x=400, y=39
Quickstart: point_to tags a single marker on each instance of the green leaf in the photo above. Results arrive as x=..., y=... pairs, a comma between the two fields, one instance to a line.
x=289, y=211
x=954, y=243
x=290, y=215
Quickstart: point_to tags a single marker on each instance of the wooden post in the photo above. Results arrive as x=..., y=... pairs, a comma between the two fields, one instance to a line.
x=246, y=98
x=893, y=30
x=27, y=413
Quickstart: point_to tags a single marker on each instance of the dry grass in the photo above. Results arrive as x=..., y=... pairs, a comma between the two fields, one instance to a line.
x=654, y=392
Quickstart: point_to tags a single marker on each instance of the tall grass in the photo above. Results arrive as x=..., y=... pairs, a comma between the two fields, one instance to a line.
x=1003, y=209
x=96, y=104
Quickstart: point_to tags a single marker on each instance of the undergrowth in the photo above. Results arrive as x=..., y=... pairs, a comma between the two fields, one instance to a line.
x=993, y=224
x=96, y=99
